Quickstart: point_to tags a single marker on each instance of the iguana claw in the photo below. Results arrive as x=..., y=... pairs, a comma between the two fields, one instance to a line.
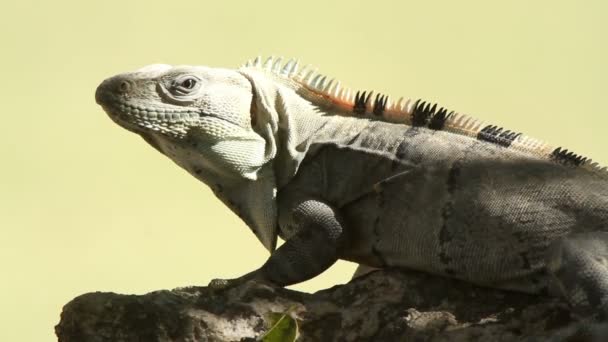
x=223, y=284
x=218, y=284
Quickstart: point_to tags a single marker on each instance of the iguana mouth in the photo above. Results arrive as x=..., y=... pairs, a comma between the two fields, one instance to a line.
x=139, y=118
x=125, y=110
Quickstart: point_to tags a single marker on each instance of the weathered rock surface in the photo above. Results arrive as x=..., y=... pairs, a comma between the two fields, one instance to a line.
x=382, y=306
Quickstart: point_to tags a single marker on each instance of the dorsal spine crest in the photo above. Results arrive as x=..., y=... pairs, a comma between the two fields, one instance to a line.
x=418, y=113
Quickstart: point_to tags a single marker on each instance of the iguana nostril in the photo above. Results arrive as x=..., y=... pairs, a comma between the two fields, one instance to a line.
x=124, y=86
x=112, y=87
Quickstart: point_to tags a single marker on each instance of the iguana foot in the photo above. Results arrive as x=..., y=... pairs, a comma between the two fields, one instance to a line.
x=219, y=284
x=224, y=284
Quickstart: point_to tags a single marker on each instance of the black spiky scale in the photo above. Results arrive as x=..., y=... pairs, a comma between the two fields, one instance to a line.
x=567, y=158
x=359, y=103
x=438, y=120
x=380, y=104
x=422, y=113
x=369, y=95
x=497, y=135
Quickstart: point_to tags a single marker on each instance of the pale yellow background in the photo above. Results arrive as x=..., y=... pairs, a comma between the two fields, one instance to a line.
x=86, y=206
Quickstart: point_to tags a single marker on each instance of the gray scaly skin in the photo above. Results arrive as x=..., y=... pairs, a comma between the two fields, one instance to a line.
x=343, y=175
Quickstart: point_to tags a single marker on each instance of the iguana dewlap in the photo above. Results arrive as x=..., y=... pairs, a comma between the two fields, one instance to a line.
x=352, y=175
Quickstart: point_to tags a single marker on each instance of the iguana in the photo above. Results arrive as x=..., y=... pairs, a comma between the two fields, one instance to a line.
x=348, y=175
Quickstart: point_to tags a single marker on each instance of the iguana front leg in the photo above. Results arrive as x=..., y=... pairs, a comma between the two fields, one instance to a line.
x=318, y=237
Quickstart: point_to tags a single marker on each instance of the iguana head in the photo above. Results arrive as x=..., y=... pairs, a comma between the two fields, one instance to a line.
x=235, y=130
x=201, y=118
x=162, y=100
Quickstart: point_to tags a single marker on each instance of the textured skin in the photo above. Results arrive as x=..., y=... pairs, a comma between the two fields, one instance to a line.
x=377, y=193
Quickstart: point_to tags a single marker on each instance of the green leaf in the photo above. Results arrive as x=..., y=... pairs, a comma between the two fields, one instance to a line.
x=283, y=328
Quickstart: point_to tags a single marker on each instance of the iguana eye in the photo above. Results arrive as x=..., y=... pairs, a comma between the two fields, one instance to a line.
x=188, y=83
x=185, y=85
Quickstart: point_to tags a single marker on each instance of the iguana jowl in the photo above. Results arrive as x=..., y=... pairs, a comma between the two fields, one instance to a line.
x=345, y=175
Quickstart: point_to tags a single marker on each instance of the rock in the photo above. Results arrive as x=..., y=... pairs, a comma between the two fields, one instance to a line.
x=386, y=305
